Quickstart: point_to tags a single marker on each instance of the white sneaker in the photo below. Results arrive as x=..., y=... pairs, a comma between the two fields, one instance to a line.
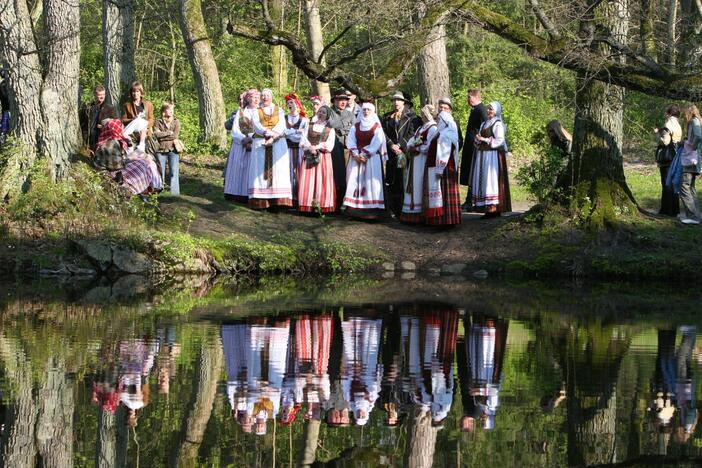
x=689, y=221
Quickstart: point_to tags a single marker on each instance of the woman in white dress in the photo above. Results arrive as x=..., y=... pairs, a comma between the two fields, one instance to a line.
x=364, y=173
x=269, y=170
x=236, y=173
x=489, y=174
x=418, y=147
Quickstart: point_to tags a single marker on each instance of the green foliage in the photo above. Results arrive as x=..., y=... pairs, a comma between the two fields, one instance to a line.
x=85, y=200
x=539, y=176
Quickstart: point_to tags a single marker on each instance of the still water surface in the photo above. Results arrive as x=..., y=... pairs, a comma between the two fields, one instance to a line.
x=387, y=383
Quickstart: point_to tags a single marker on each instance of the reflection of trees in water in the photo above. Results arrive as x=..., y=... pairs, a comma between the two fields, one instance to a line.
x=421, y=441
x=39, y=428
x=202, y=398
x=590, y=358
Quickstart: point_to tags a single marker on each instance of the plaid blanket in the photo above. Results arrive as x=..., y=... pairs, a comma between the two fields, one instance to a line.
x=139, y=177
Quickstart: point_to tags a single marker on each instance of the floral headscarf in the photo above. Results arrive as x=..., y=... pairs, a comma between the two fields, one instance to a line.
x=293, y=97
x=113, y=130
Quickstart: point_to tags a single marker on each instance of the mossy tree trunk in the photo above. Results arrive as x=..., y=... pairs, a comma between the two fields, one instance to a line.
x=691, y=33
x=205, y=73
x=594, y=179
x=43, y=90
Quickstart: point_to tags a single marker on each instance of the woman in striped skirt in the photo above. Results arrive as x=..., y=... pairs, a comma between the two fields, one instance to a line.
x=316, y=178
x=442, y=198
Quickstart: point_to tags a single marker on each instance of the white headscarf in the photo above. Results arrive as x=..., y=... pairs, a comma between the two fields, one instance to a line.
x=367, y=122
x=497, y=107
x=447, y=128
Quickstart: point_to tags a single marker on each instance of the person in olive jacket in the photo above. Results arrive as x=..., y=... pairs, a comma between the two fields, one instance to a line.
x=478, y=115
x=399, y=126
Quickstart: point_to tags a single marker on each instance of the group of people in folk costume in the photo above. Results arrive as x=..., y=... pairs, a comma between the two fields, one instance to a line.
x=346, y=157
x=347, y=366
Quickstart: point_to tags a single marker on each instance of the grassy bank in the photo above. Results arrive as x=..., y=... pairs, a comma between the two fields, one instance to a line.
x=48, y=228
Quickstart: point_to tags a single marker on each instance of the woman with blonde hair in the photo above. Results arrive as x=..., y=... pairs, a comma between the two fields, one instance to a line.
x=559, y=136
x=167, y=131
x=690, y=161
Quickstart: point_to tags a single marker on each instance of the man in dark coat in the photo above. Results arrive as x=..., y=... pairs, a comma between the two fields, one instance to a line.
x=93, y=114
x=399, y=126
x=341, y=121
x=478, y=115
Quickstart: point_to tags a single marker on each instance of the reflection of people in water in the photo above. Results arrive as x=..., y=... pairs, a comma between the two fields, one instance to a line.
x=393, y=400
x=674, y=388
x=236, y=343
x=256, y=356
x=361, y=379
x=685, y=385
x=136, y=361
x=166, y=360
x=663, y=406
x=480, y=370
x=106, y=386
x=430, y=339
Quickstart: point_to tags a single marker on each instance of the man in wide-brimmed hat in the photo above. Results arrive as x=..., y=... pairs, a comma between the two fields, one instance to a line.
x=341, y=120
x=399, y=125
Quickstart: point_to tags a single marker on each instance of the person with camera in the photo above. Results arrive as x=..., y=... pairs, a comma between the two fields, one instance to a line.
x=668, y=139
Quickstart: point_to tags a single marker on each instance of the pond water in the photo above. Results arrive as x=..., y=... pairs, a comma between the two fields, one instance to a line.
x=401, y=374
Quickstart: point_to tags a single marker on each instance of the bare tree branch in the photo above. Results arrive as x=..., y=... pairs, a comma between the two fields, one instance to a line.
x=333, y=41
x=544, y=19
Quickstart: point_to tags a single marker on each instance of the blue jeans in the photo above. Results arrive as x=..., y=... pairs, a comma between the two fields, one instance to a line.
x=174, y=163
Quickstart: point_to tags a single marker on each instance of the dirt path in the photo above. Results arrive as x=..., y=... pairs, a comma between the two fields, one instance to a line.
x=426, y=246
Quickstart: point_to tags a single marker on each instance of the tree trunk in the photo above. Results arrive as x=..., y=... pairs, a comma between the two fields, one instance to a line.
x=19, y=52
x=279, y=63
x=433, y=67
x=172, y=68
x=672, y=26
x=595, y=177
x=54, y=431
x=18, y=445
x=592, y=439
x=648, y=38
x=200, y=408
x=118, y=48
x=422, y=441
x=310, y=433
x=59, y=98
x=315, y=43
x=691, y=33
x=106, y=447
x=205, y=74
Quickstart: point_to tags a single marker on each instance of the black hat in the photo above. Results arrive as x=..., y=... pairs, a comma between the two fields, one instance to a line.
x=342, y=94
